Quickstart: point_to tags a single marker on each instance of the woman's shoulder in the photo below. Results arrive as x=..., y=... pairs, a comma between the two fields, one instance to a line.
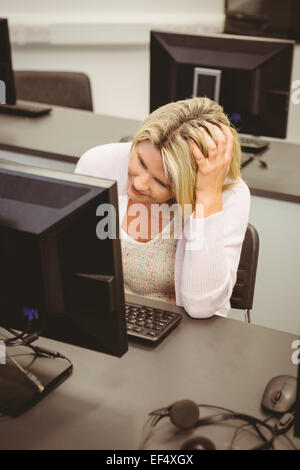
x=236, y=200
x=238, y=187
x=105, y=161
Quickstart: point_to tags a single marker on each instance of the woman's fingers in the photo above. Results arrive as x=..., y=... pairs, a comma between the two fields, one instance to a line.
x=223, y=147
x=219, y=147
x=229, y=142
x=210, y=144
x=213, y=170
x=221, y=138
x=197, y=152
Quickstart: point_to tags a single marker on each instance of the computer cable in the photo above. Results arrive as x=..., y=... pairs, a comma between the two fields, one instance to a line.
x=38, y=352
x=185, y=415
x=20, y=339
x=237, y=430
x=30, y=332
x=290, y=441
x=26, y=338
x=280, y=428
x=16, y=335
x=246, y=162
x=31, y=378
x=256, y=158
x=282, y=425
x=43, y=352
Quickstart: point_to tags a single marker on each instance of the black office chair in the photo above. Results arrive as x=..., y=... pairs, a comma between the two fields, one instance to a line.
x=126, y=138
x=70, y=89
x=243, y=291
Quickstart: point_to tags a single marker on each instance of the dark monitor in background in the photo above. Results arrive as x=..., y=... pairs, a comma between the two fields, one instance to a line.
x=6, y=71
x=57, y=277
x=251, y=77
x=268, y=18
x=8, y=98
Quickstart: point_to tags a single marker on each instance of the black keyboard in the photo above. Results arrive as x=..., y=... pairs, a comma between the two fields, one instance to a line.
x=253, y=144
x=148, y=324
x=26, y=110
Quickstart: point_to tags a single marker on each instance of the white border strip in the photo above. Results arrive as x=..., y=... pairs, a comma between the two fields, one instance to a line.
x=106, y=32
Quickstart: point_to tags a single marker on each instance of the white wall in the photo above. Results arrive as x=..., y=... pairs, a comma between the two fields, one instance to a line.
x=119, y=75
x=277, y=280
x=118, y=8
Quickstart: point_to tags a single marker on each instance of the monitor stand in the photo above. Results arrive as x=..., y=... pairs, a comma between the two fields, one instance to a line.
x=25, y=109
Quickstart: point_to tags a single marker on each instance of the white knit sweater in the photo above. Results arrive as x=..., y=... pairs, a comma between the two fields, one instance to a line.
x=208, y=254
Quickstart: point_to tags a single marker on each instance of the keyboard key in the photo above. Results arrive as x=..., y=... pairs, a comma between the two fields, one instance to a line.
x=137, y=330
x=152, y=333
x=149, y=323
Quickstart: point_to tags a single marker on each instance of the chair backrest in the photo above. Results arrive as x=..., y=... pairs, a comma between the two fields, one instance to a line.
x=70, y=89
x=243, y=291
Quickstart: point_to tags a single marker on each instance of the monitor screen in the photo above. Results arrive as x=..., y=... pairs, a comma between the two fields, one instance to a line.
x=268, y=18
x=57, y=276
x=7, y=84
x=250, y=78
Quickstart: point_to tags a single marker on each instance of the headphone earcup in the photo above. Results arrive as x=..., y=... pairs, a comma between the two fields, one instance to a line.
x=184, y=414
x=198, y=443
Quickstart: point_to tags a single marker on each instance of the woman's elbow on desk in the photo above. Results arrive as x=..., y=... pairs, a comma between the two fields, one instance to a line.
x=197, y=312
x=210, y=303
x=200, y=314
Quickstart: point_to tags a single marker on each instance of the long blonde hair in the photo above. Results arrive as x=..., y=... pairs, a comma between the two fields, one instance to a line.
x=171, y=128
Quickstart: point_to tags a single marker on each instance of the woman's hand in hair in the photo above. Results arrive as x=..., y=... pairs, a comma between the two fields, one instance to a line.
x=213, y=169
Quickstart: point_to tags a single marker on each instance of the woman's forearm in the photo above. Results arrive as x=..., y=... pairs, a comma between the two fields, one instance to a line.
x=212, y=251
x=207, y=204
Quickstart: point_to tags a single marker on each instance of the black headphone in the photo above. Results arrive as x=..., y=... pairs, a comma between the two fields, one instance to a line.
x=185, y=414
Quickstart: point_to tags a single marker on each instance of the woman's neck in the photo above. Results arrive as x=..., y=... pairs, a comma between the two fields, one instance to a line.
x=147, y=219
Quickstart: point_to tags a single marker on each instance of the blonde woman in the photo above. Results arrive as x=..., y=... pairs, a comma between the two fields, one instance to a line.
x=186, y=155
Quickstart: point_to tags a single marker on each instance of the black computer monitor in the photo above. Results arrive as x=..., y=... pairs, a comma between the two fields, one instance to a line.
x=57, y=276
x=6, y=70
x=8, y=94
x=249, y=77
x=268, y=18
